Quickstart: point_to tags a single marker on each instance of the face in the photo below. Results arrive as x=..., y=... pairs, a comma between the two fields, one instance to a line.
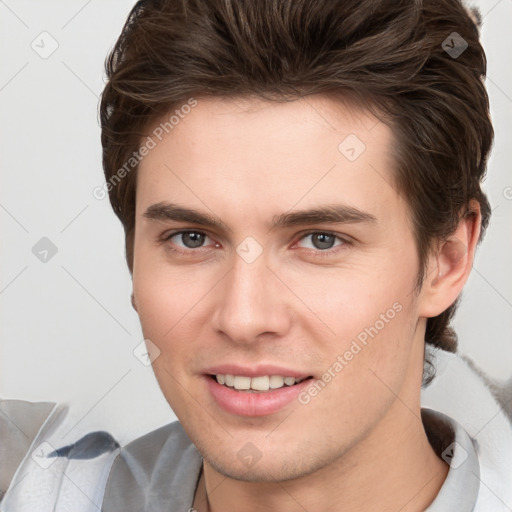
x=274, y=270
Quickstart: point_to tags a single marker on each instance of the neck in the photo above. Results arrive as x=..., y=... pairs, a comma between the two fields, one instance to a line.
x=394, y=468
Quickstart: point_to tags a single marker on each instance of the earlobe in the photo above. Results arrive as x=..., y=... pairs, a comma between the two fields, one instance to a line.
x=451, y=265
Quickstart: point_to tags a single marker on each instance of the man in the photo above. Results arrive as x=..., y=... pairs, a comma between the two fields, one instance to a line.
x=300, y=187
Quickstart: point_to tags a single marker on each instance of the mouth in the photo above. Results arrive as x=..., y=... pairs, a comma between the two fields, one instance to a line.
x=257, y=384
x=259, y=391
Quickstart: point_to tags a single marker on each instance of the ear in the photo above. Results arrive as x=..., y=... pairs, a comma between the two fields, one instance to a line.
x=450, y=264
x=134, y=304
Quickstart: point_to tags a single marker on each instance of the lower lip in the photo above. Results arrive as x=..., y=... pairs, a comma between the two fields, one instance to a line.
x=243, y=403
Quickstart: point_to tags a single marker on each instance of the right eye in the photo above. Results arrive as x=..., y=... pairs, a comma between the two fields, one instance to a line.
x=188, y=239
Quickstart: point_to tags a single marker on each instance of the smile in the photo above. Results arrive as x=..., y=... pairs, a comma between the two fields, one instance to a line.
x=255, y=384
x=256, y=394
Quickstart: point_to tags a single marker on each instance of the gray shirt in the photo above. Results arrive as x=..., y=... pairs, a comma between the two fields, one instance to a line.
x=37, y=473
x=160, y=471
x=20, y=422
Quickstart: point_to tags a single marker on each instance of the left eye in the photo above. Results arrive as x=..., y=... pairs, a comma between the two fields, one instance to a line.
x=320, y=241
x=189, y=239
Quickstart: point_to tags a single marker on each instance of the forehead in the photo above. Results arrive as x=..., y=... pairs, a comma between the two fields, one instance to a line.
x=255, y=157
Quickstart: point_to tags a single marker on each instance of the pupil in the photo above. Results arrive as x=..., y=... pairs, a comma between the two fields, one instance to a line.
x=192, y=239
x=323, y=240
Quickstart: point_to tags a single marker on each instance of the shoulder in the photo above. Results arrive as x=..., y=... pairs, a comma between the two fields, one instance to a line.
x=40, y=472
x=153, y=472
x=466, y=395
x=20, y=422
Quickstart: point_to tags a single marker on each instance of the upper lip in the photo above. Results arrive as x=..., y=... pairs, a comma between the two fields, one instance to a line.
x=254, y=370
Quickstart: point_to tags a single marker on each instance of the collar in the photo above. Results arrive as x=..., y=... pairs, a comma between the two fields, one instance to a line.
x=453, y=444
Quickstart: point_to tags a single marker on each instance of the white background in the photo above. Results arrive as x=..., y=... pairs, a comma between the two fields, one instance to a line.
x=67, y=328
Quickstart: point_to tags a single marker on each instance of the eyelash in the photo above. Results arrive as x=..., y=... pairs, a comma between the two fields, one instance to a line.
x=346, y=242
x=181, y=250
x=319, y=253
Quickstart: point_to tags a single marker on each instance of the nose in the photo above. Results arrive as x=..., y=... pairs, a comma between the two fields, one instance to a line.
x=251, y=303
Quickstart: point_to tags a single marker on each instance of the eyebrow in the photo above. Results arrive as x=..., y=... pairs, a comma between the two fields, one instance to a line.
x=329, y=214
x=170, y=211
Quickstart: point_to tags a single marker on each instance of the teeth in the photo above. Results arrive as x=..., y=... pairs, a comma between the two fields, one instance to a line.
x=276, y=381
x=260, y=383
x=242, y=382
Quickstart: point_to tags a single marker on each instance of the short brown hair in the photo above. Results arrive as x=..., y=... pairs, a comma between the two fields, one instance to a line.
x=407, y=58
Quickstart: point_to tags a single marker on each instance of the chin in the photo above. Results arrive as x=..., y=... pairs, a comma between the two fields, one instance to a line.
x=260, y=474
x=269, y=469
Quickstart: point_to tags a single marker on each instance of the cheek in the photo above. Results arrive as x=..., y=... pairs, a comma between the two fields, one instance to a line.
x=166, y=302
x=364, y=366
x=362, y=323
x=164, y=293
x=345, y=301
x=172, y=304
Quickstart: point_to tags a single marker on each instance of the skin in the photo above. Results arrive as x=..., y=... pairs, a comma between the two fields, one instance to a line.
x=359, y=444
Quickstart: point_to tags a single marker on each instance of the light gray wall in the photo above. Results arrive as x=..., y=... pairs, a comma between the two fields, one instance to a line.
x=67, y=328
